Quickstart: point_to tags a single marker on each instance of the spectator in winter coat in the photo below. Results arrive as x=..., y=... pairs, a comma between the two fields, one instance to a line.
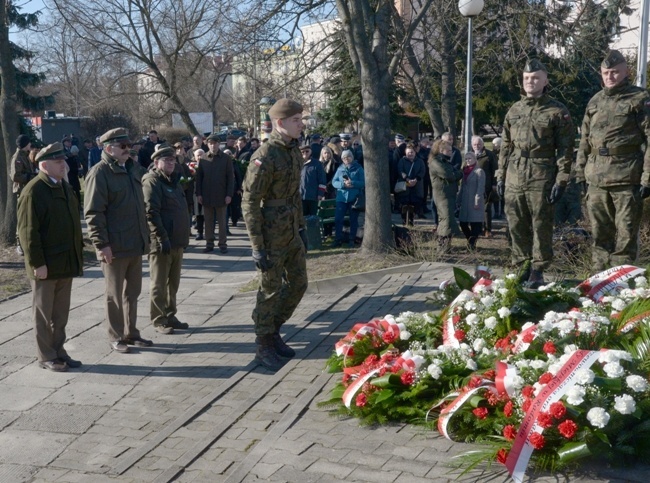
x=471, y=200
x=348, y=180
x=313, y=182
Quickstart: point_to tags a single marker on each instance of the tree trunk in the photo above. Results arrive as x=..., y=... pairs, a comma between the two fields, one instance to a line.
x=9, y=125
x=448, y=82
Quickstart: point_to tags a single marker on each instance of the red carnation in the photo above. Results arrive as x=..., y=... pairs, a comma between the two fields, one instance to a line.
x=528, y=337
x=528, y=391
x=408, y=378
x=474, y=381
x=545, y=420
x=507, y=409
x=389, y=337
x=545, y=378
x=362, y=400
x=502, y=456
x=459, y=334
x=455, y=319
x=526, y=405
x=492, y=397
x=396, y=368
x=509, y=432
x=382, y=371
x=346, y=378
x=549, y=348
x=490, y=374
x=558, y=410
x=567, y=429
x=480, y=413
x=537, y=440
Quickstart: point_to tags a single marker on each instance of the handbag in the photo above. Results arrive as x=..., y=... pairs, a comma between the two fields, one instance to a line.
x=400, y=186
x=360, y=201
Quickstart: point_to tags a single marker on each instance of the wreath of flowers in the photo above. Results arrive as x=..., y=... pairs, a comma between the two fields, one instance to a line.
x=541, y=377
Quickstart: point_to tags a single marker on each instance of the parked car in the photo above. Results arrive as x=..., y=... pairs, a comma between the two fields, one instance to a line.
x=235, y=132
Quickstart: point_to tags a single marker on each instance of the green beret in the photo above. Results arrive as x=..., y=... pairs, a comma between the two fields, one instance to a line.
x=51, y=151
x=117, y=134
x=612, y=59
x=163, y=150
x=533, y=65
x=284, y=108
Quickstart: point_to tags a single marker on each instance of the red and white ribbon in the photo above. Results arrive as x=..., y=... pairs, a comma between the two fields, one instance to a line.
x=599, y=285
x=456, y=404
x=503, y=381
x=519, y=455
x=353, y=388
x=448, y=328
x=520, y=345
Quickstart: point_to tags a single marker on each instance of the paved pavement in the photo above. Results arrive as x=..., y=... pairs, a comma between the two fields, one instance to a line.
x=195, y=407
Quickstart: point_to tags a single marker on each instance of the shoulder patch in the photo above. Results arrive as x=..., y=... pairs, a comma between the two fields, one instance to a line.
x=258, y=162
x=567, y=116
x=647, y=104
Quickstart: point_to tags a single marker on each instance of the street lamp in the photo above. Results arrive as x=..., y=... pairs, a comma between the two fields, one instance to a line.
x=469, y=9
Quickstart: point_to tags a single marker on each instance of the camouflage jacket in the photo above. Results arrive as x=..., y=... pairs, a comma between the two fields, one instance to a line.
x=540, y=130
x=21, y=170
x=271, y=201
x=615, y=131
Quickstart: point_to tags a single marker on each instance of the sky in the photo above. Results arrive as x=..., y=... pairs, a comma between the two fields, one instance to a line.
x=27, y=6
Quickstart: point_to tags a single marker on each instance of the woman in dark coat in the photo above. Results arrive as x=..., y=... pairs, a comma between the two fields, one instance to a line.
x=411, y=169
x=444, y=180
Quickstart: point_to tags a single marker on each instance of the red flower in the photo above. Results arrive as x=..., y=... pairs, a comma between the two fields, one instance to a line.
x=526, y=405
x=549, y=348
x=509, y=432
x=371, y=359
x=346, y=378
x=558, y=410
x=490, y=374
x=567, y=429
x=507, y=409
x=528, y=337
x=492, y=397
x=455, y=319
x=480, y=413
x=396, y=368
x=528, y=391
x=545, y=378
x=537, y=440
x=408, y=378
x=502, y=456
x=362, y=400
x=382, y=371
x=389, y=337
x=474, y=381
x=459, y=334
x=545, y=420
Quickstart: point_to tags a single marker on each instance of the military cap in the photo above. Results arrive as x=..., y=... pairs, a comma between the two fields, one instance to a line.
x=213, y=137
x=533, y=65
x=284, y=108
x=186, y=138
x=315, y=136
x=163, y=150
x=345, y=136
x=335, y=139
x=305, y=147
x=612, y=59
x=51, y=151
x=399, y=137
x=117, y=134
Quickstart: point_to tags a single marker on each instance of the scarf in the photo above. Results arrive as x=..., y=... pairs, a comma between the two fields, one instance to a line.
x=467, y=170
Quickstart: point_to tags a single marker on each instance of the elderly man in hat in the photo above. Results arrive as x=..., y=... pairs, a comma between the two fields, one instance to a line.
x=21, y=171
x=534, y=169
x=50, y=232
x=614, y=161
x=215, y=187
x=117, y=227
x=273, y=213
x=169, y=226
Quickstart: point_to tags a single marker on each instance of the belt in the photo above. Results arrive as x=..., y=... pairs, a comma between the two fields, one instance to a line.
x=536, y=153
x=277, y=203
x=619, y=150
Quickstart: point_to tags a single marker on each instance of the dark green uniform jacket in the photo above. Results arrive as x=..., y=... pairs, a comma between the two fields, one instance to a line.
x=271, y=201
x=615, y=131
x=21, y=170
x=49, y=228
x=166, y=210
x=114, y=207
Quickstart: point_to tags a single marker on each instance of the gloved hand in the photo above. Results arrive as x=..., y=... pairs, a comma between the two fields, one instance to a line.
x=501, y=189
x=303, y=236
x=556, y=193
x=644, y=191
x=166, y=247
x=261, y=262
x=583, y=187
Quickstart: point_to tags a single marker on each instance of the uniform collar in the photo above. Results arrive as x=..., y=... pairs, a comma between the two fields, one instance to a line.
x=612, y=91
x=276, y=139
x=535, y=101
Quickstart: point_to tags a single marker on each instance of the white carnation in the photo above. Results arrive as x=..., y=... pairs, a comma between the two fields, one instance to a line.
x=517, y=381
x=478, y=345
x=584, y=376
x=503, y=312
x=471, y=365
x=555, y=368
x=575, y=395
x=522, y=364
x=599, y=319
x=586, y=302
x=488, y=301
x=636, y=383
x=618, y=304
x=418, y=361
x=434, y=370
x=598, y=417
x=404, y=335
x=545, y=326
x=614, y=355
x=570, y=348
x=470, y=306
x=551, y=316
x=490, y=323
x=537, y=364
x=511, y=276
x=390, y=319
x=502, y=291
x=625, y=404
x=566, y=326
x=586, y=327
x=640, y=282
x=613, y=369
x=472, y=319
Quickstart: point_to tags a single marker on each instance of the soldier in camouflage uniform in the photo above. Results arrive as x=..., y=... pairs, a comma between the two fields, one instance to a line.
x=273, y=213
x=614, y=161
x=534, y=166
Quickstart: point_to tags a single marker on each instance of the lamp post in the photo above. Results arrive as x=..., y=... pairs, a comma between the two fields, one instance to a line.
x=469, y=9
x=642, y=56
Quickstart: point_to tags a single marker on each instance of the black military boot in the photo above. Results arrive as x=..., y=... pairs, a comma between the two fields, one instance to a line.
x=536, y=279
x=524, y=273
x=410, y=215
x=281, y=348
x=265, y=354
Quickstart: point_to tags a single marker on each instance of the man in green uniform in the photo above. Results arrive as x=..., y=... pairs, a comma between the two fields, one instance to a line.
x=534, y=166
x=614, y=161
x=169, y=225
x=273, y=213
x=21, y=171
x=50, y=233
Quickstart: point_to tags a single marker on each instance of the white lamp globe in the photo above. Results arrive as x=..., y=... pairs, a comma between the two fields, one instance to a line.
x=470, y=8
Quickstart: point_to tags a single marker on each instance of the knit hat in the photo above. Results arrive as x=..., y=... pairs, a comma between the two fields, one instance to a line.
x=22, y=141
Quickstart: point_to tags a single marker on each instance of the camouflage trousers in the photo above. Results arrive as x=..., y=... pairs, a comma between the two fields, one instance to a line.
x=530, y=221
x=615, y=215
x=281, y=287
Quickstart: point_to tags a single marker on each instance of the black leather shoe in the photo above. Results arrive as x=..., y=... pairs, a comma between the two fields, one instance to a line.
x=177, y=324
x=120, y=346
x=165, y=329
x=139, y=342
x=223, y=249
x=281, y=348
x=70, y=362
x=208, y=249
x=56, y=365
x=199, y=236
